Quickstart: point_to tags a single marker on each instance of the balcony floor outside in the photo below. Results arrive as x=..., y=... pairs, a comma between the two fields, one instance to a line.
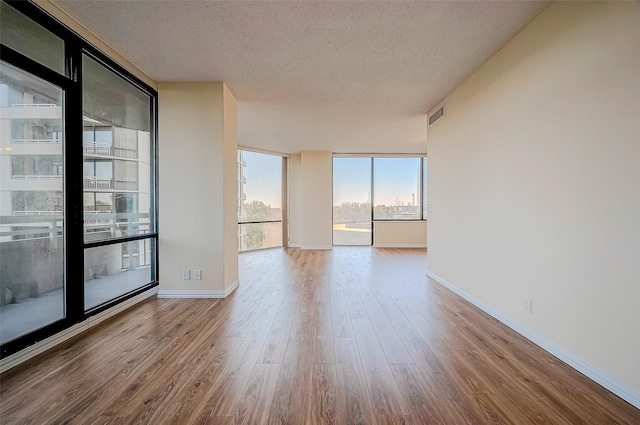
x=32, y=313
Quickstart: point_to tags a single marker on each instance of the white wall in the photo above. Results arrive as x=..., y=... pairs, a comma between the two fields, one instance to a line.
x=230, y=188
x=197, y=187
x=295, y=202
x=316, y=220
x=534, y=186
x=400, y=234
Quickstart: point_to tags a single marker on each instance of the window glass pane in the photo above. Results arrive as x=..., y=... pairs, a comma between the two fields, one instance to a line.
x=259, y=235
x=25, y=36
x=36, y=167
x=260, y=187
x=31, y=205
x=424, y=188
x=114, y=270
x=259, y=199
x=117, y=155
x=396, y=188
x=352, y=201
x=37, y=130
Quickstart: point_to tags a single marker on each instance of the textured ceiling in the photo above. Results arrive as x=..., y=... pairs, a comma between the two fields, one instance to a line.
x=341, y=76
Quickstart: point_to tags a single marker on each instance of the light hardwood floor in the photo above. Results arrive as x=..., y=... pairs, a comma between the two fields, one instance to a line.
x=349, y=336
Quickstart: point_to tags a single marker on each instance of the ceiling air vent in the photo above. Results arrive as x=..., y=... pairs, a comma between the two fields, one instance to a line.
x=436, y=115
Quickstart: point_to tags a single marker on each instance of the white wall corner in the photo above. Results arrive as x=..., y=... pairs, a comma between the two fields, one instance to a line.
x=231, y=288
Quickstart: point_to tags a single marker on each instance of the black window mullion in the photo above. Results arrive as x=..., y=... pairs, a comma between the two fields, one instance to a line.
x=421, y=189
x=371, y=203
x=155, y=271
x=74, y=251
x=115, y=241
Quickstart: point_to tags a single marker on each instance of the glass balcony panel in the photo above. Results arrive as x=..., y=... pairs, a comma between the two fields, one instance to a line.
x=114, y=270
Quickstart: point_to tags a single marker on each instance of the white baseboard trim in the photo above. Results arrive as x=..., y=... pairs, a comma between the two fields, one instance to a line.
x=400, y=245
x=198, y=293
x=59, y=338
x=324, y=247
x=295, y=245
x=624, y=391
x=231, y=288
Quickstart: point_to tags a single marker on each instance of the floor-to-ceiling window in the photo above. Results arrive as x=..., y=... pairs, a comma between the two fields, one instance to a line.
x=117, y=156
x=369, y=189
x=77, y=179
x=32, y=203
x=260, y=189
x=352, y=201
x=396, y=189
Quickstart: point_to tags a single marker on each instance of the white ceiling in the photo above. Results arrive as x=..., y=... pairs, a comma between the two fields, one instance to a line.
x=349, y=77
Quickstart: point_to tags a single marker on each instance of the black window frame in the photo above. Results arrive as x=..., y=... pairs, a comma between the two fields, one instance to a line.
x=420, y=194
x=71, y=83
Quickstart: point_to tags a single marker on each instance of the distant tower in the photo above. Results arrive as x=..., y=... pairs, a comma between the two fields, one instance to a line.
x=413, y=199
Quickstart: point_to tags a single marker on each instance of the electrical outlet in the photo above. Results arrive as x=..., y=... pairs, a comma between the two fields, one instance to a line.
x=186, y=274
x=197, y=274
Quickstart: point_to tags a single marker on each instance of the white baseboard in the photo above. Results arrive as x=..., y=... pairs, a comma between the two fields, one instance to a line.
x=59, y=338
x=231, y=288
x=324, y=247
x=620, y=389
x=295, y=245
x=198, y=293
x=400, y=245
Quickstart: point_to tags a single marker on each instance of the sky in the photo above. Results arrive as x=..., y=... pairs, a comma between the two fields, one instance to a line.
x=264, y=178
x=396, y=179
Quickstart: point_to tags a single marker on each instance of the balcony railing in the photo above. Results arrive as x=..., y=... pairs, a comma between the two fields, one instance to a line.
x=103, y=149
x=29, y=223
x=34, y=105
x=97, y=184
x=36, y=176
x=93, y=148
x=38, y=213
x=29, y=141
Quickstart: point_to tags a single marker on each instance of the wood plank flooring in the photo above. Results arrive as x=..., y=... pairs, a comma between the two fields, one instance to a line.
x=349, y=336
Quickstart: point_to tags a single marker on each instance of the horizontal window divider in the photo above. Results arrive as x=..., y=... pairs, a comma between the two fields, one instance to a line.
x=111, y=303
x=115, y=241
x=379, y=155
x=12, y=57
x=400, y=220
x=258, y=222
